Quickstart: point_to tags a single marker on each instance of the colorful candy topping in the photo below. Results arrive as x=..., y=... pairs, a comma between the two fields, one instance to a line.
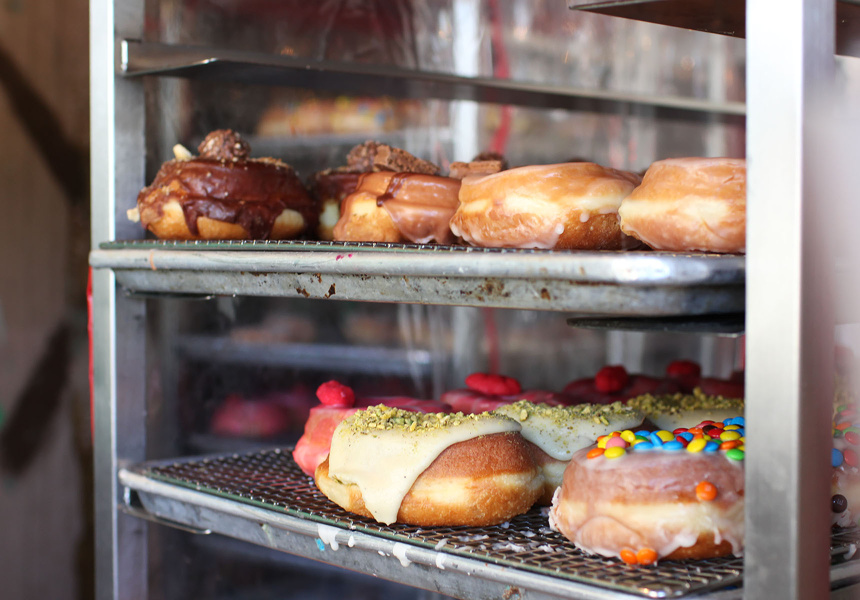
x=706, y=491
x=838, y=503
x=708, y=436
x=595, y=452
x=836, y=458
x=611, y=379
x=333, y=393
x=645, y=556
x=494, y=385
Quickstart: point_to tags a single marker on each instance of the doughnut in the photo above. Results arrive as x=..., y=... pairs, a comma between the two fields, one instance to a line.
x=673, y=499
x=338, y=403
x=687, y=376
x=251, y=418
x=685, y=410
x=562, y=206
x=556, y=432
x=845, y=482
x=330, y=188
x=612, y=383
x=225, y=195
x=399, y=208
x=486, y=392
x=689, y=204
x=432, y=469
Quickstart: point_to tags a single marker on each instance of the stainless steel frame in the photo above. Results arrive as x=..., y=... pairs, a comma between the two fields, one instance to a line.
x=790, y=68
x=790, y=324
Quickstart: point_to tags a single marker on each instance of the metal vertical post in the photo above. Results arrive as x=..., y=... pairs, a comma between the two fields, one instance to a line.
x=117, y=158
x=789, y=309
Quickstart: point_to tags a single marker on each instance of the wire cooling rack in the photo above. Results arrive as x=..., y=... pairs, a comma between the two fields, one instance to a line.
x=271, y=479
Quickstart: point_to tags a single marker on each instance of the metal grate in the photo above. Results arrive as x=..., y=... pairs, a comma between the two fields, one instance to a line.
x=271, y=479
x=293, y=245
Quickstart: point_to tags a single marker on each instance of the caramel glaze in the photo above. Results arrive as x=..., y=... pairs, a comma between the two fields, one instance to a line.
x=250, y=193
x=421, y=206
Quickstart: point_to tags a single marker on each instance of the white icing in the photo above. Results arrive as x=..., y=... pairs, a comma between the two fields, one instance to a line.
x=351, y=541
x=328, y=534
x=384, y=464
x=440, y=561
x=400, y=553
x=560, y=432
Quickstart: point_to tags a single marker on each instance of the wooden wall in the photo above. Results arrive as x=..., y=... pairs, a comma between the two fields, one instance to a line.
x=43, y=241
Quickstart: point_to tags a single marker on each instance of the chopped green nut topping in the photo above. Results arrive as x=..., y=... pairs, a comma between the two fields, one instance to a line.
x=677, y=403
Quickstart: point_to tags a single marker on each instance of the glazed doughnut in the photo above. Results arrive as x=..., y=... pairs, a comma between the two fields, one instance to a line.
x=685, y=410
x=338, y=403
x=486, y=392
x=654, y=500
x=845, y=500
x=399, y=208
x=224, y=195
x=556, y=432
x=430, y=469
x=568, y=205
x=689, y=204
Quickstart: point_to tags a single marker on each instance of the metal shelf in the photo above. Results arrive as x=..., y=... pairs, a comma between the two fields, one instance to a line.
x=196, y=62
x=349, y=359
x=652, y=284
x=264, y=498
x=726, y=17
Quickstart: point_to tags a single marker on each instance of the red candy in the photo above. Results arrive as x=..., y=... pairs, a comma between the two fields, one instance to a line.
x=683, y=368
x=333, y=393
x=496, y=385
x=852, y=438
x=611, y=379
x=850, y=457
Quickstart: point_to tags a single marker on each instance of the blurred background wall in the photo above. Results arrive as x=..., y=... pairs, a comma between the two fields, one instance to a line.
x=44, y=237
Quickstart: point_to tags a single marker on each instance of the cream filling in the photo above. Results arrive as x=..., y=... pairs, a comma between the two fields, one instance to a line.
x=560, y=437
x=384, y=464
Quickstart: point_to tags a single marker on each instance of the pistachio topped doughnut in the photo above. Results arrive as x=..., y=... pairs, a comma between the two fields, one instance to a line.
x=659, y=495
x=554, y=433
x=686, y=410
x=437, y=469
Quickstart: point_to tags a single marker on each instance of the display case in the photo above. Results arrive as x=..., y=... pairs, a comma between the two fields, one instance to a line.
x=206, y=354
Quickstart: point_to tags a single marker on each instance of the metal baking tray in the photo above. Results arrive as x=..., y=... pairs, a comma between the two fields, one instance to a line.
x=349, y=359
x=604, y=283
x=197, y=62
x=727, y=17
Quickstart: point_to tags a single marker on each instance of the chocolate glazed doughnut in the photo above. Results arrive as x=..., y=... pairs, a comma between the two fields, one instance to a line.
x=223, y=194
